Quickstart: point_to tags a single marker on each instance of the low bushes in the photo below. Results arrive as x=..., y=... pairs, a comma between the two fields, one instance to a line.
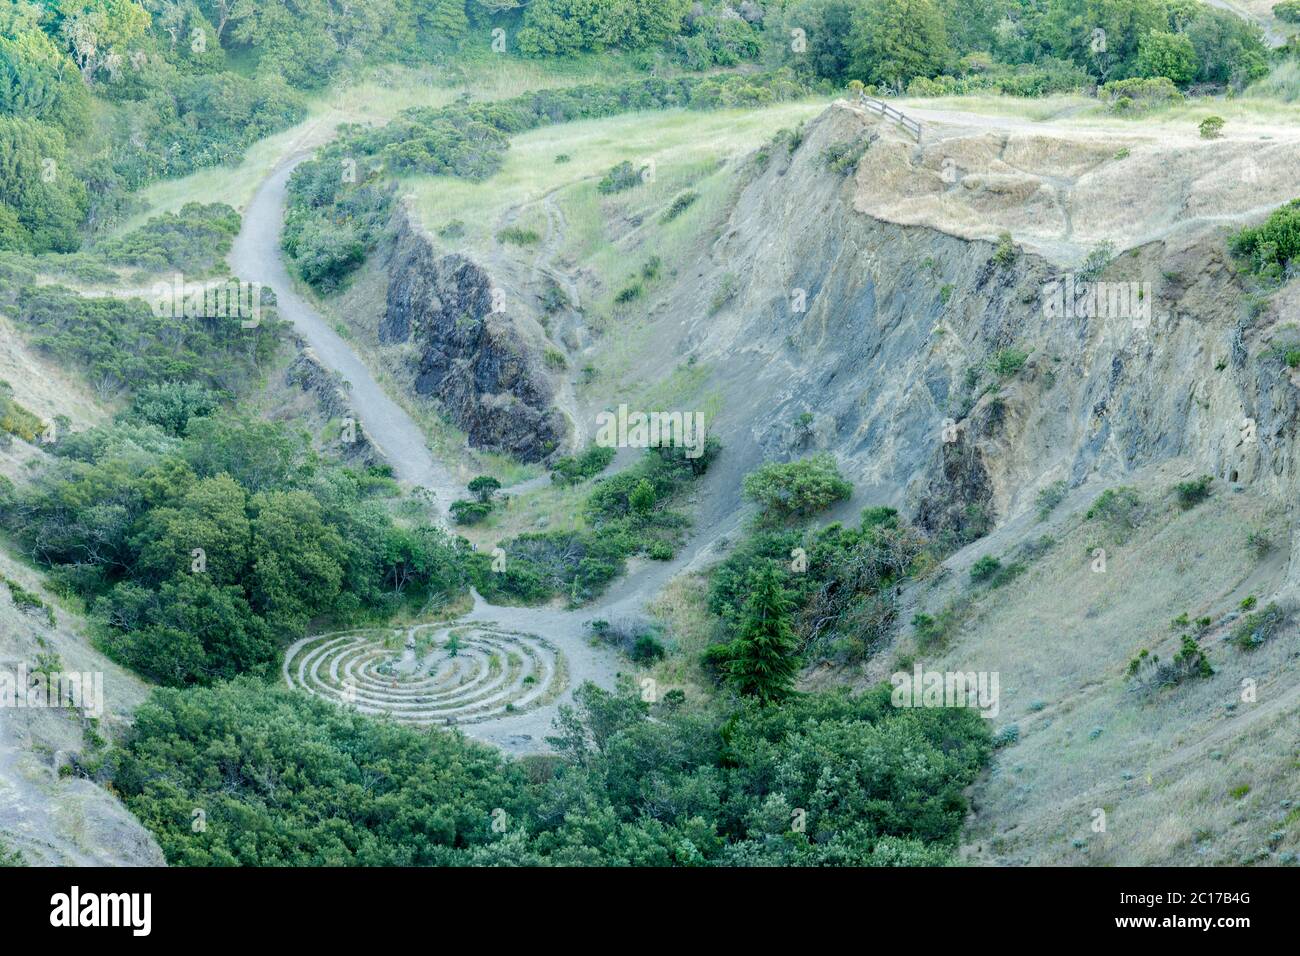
x=796, y=489
x=1257, y=628
x=572, y=470
x=626, y=514
x=1140, y=94
x=1271, y=247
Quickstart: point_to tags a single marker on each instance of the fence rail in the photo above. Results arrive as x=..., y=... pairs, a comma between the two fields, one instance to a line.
x=884, y=109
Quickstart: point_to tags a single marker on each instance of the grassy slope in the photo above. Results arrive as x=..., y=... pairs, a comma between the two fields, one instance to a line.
x=375, y=98
x=1162, y=767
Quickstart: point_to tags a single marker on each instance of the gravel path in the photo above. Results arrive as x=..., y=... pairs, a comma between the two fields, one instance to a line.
x=320, y=664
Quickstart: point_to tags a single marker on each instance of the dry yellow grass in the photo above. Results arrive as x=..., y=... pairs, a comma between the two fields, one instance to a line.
x=1161, y=767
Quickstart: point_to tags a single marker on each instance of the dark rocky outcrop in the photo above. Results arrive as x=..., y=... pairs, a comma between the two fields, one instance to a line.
x=309, y=374
x=468, y=357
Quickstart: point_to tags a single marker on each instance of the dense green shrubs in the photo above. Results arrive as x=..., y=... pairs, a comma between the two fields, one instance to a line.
x=124, y=343
x=840, y=581
x=194, y=241
x=627, y=513
x=335, y=220
x=570, y=470
x=1192, y=493
x=796, y=489
x=42, y=201
x=1256, y=628
x=1148, y=673
x=569, y=27
x=1272, y=246
x=1017, y=47
x=200, y=556
x=629, y=784
x=622, y=177
x=1140, y=94
x=1120, y=509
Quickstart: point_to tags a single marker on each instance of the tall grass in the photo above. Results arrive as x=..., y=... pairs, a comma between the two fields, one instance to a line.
x=1282, y=84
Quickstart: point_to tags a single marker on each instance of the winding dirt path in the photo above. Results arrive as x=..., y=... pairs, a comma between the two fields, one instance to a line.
x=256, y=258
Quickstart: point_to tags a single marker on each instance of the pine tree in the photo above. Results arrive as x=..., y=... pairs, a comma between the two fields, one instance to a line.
x=763, y=659
x=449, y=23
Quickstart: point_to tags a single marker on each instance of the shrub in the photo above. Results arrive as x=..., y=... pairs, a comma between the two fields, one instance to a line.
x=619, y=178
x=1192, y=493
x=1211, y=127
x=1149, y=674
x=469, y=512
x=1257, y=628
x=629, y=293
x=679, y=205
x=796, y=489
x=571, y=470
x=844, y=157
x=1007, y=736
x=1272, y=246
x=1007, y=362
x=727, y=289
x=647, y=649
x=1140, y=94
x=636, y=638
x=1288, y=11
x=933, y=631
x=1260, y=540
x=1095, y=263
x=984, y=569
x=518, y=236
x=1005, y=253
x=1051, y=496
x=1121, y=509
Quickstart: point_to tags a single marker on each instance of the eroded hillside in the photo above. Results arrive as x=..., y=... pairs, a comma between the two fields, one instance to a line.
x=874, y=308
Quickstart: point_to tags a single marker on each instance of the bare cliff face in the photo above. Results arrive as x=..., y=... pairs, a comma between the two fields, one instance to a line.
x=467, y=356
x=956, y=380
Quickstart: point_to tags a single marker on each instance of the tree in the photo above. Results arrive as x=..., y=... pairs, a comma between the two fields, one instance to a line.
x=297, y=560
x=39, y=82
x=448, y=22
x=171, y=405
x=99, y=32
x=210, y=518
x=827, y=26
x=642, y=498
x=568, y=27
x=46, y=200
x=1102, y=35
x=1167, y=54
x=897, y=40
x=484, y=487
x=762, y=660
x=1229, y=50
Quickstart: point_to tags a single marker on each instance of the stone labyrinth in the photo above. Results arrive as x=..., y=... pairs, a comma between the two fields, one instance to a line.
x=430, y=673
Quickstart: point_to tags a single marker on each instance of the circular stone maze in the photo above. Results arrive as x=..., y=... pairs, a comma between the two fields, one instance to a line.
x=430, y=673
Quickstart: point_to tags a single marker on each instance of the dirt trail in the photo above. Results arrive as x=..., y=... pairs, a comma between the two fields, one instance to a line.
x=256, y=257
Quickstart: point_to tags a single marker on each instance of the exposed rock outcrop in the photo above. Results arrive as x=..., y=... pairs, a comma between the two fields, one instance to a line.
x=351, y=442
x=891, y=335
x=468, y=355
